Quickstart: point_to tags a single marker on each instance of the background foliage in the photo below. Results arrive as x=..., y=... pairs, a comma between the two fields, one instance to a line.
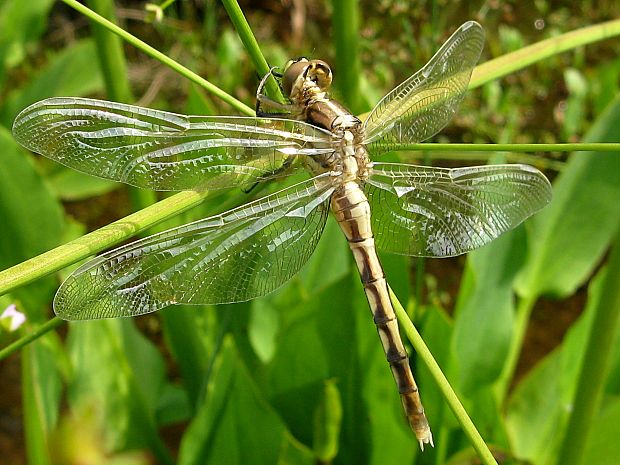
x=299, y=376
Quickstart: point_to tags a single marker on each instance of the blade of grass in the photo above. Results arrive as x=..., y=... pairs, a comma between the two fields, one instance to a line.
x=152, y=52
x=110, y=51
x=345, y=26
x=96, y=241
x=28, y=338
x=527, y=56
x=488, y=147
x=251, y=45
x=442, y=382
x=596, y=364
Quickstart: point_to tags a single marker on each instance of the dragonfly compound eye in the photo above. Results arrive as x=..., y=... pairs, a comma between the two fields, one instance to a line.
x=294, y=75
x=320, y=73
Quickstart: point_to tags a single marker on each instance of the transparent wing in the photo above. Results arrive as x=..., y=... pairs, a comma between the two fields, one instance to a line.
x=441, y=212
x=160, y=150
x=236, y=256
x=422, y=105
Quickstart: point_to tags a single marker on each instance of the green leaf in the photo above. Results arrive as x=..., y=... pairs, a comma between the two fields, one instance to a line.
x=603, y=447
x=32, y=218
x=71, y=72
x=538, y=408
x=235, y=425
x=21, y=23
x=41, y=388
x=71, y=185
x=122, y=375
x=327, y=423
x=484, y=311
x=569, y=237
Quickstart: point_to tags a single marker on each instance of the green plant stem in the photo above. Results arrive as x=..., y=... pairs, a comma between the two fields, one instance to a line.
x=442, y=382
x=524, y=310
x=251, y=45
x=152, y=52
x=526, y=56
x=488, y=147
x=595, y=365
x=28, y=338
x=96, y=241
x=110, y=52
x=345, y=27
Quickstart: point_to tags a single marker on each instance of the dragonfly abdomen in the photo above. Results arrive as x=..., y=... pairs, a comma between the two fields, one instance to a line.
x=352, y=211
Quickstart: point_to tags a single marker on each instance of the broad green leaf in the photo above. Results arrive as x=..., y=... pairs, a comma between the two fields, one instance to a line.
x=186, y=329
x=21, y=24
x=32, y=221
x=71, y=185
x=31, y=215
x=570, y=235
x=117, y=371
x=235, y=425
x=71, y=72
x=484, y=312
x=539, y=406
x=41, y=391
x=603, y=447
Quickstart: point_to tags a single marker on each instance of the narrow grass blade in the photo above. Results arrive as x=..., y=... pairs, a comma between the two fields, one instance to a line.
x=527, y=56
x=152, y=52
x=442, y=382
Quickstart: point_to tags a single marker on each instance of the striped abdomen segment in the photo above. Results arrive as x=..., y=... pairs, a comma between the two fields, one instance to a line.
x=351, y=209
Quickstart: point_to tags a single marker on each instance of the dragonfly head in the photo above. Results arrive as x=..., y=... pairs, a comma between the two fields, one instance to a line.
x=298, y=72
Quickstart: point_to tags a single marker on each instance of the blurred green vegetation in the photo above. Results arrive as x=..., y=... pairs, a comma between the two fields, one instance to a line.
x=299, y=376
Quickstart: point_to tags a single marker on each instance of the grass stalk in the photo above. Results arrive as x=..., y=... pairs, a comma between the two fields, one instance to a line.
x=511, y=62
x=28, y=338
x=161, y=57
x=345, y=26
x=489, y=147
x=96, y=241
x=595, y=365
x=448, y=393
x=251, y=45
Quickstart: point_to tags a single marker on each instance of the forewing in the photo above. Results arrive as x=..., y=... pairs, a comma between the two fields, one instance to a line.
x=423, y=104
x=236, y=256
x=441, y=212
x=160, y=150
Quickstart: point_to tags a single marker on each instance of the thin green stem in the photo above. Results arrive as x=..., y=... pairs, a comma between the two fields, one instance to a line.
x=595, y=365
x=345, y=22
x=488, y=147
x=96, y=241
x=28, y=338
x=526, y=56
x=442, y=382
x=152, y=52
x=524, y=310
x=110, y=52
x=251, y=45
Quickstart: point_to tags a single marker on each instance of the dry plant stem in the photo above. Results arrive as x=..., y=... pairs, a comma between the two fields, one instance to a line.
x=454, y=403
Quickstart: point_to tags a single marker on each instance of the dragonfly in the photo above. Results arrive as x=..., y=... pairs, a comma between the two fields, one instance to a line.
x=252, y=250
